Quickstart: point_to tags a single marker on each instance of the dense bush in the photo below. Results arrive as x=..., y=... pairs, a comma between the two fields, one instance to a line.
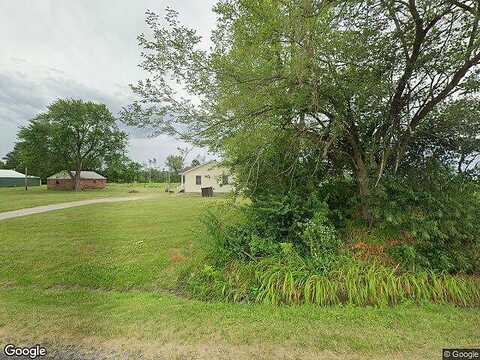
x=291, y=248
x=257, y=230
x=438, y=211
x=235, y=240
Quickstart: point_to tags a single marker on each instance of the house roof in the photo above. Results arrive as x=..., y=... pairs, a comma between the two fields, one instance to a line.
x=188, y=169
x=13, y=174
x=85, y=175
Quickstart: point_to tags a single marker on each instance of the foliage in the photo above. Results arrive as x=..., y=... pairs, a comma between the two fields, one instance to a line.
x=237, y=239
x=137, y=248
x=174, y=164
x=289, y=67
x=360, y=284
x=12, y=160
x=83, y=132
x=71, y=135
x=120, y=169
x=320, y=133
x=320, y=236
x=451, y=139
x=438, y=211
x=257, y=230
x=264, y=251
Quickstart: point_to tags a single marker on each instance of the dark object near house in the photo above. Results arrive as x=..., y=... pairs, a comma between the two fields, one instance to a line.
x=207, y=192
x=88, y=180
x=11, y=178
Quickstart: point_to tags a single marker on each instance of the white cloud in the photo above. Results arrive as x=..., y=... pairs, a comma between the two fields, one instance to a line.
x=79, y=49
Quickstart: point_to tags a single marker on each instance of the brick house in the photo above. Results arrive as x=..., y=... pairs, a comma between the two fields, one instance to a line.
x=88, y=180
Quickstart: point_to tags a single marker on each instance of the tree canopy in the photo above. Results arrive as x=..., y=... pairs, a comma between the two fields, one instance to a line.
x=343, y=84
x=174, y=164
x=71, y=135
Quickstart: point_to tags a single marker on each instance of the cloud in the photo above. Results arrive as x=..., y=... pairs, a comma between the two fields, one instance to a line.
x=83, y=50
x=22, y=97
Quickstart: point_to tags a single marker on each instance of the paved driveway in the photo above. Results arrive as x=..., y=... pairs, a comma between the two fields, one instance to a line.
x=41, y=209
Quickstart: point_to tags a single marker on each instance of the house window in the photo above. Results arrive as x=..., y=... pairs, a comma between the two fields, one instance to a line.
x=198, y=180
x=224, y=179
x=57, y=182
x=184, y=179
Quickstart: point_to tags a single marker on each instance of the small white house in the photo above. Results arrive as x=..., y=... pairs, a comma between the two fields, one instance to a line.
x=207, y=175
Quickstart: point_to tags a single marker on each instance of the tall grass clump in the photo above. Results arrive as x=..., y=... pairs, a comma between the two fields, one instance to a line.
x=280, y=281
x=362, y=284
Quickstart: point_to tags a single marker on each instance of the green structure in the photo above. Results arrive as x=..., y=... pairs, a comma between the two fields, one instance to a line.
x=11, y=178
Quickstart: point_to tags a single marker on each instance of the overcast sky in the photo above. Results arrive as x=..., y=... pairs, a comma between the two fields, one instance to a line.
x=84, y=49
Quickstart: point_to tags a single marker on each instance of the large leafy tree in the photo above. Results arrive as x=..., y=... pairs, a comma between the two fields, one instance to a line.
x=351, y=81
x=72, y=135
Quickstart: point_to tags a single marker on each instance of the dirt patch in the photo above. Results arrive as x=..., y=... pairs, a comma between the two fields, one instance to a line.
x=93, y=348
x=175, y=255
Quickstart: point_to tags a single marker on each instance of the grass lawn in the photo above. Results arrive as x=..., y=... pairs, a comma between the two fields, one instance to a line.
x=103, y=276
x=18, y=198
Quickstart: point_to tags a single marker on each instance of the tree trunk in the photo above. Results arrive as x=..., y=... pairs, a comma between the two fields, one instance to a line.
x=77, y=186
x=363, y=189
x=361, y=176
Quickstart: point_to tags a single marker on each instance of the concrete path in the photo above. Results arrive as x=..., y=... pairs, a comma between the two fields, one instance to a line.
x=41, y=209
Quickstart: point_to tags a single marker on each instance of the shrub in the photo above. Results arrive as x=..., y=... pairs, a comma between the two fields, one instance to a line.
x=251, y=232
x=230, y=236
x=284, y=249
x=281, y=216
x=320, y=236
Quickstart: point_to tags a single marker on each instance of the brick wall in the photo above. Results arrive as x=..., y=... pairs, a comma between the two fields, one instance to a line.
x=69, y=184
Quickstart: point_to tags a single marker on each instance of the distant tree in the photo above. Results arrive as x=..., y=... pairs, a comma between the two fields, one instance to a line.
x=32, y=151
x=12, y=159
x=174, y=164
x=2, y=165
x=73, y=135
x=152, y=168
x=120, y=168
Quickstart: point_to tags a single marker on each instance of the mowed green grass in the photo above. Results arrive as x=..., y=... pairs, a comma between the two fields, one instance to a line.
x=104, y=276
x=17, y=198
x=121, y=246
